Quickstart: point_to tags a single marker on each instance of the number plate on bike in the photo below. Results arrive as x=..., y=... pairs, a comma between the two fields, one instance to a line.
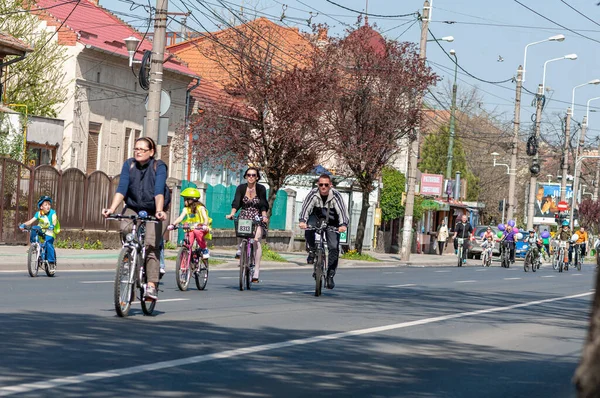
x=563, y=244
x=244, y=228
x=461, y=241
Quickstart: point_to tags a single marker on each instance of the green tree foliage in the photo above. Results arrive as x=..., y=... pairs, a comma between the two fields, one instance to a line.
x=391, y=194
x=434, y=158
x=38, y=80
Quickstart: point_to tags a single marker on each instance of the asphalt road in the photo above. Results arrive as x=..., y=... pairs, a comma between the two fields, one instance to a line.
x=382, y=332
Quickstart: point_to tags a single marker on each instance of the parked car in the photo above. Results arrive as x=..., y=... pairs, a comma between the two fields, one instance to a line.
x=476, y=249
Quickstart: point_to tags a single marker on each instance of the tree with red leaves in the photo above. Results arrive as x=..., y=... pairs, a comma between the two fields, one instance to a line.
x=270, y=107
x=374, y=107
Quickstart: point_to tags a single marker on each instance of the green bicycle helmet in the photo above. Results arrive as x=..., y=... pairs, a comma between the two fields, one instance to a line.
x=191, y=193
x=565, y=223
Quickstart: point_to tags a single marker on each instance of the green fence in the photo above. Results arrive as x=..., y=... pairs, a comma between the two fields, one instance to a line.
x=218, y=204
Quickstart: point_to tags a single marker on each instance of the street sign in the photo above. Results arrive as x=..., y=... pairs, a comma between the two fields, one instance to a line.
x=562, y=205
x=344, y=237
x=165, y=102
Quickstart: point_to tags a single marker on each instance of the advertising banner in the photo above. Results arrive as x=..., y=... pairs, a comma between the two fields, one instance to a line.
x=432, y=184
x=546, y=201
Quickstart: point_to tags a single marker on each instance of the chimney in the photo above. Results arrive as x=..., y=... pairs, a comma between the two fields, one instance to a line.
x=322, y=37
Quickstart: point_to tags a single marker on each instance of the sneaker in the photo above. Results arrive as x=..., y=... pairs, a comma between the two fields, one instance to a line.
x=255, y=280
x=151, y=293
x=161, y=273
x=238, y=254
x=464, y=260
x=311, y=258
x=205, y=253
x=330, y=282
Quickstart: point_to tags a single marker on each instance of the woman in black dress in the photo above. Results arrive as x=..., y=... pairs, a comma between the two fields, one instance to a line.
x=251, y=198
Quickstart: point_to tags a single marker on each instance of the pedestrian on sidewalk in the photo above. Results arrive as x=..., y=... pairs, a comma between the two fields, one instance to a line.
x=442, y=237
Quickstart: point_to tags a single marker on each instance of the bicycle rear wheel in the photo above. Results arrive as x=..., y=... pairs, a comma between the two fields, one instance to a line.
x=249, y=273
x=202, y=275
x=182, y=269
x=123, y=290
x=459, y=254
x=147, y=304
x=527, y=261
x=579, y=260
x=50, y=269
x=32, y=260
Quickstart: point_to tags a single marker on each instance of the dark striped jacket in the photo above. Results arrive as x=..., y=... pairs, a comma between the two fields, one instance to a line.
x=314, y=205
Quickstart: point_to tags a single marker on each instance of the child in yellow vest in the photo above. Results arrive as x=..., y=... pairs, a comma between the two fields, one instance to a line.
x=195, y=215
x=48, y=222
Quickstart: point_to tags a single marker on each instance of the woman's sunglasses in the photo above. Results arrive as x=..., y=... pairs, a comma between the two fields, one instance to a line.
x=251, y=175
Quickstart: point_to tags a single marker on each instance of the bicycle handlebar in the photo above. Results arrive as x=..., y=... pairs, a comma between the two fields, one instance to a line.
x=174, y=227
x=133, y=217
x=327, y=228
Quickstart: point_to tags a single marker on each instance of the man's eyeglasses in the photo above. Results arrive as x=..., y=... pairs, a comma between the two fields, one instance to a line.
x=251, y=175
x=142, y=150
x=323, y=185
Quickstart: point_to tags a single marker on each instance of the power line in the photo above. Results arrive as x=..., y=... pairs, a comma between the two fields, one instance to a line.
x=39, y=9
x=556, y=23
x=368, y=14
x=579, y=12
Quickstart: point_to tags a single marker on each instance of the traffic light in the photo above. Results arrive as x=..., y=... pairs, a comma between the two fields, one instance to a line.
x=535, y=168
x=501, y=205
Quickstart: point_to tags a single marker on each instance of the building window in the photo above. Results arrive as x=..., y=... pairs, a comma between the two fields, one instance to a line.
x=98, y=77
x=137, y=134
x=126, y=153
x=92, y=146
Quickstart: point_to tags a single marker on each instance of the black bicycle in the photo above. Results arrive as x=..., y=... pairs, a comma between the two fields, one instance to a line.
x=131, y=266
x=320, y=266
x=36, y=255
x=246, y=229
x=505, y=254
x=578, y=256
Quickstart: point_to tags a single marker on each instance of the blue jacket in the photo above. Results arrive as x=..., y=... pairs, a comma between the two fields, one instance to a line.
x=140, y=184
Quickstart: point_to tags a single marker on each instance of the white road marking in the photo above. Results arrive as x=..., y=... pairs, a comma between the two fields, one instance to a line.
x=469, y=281
x=480, y=270
x=97, y=282
x=442, y=271
x=405, y=285
x=156, y=366
x=165, y=300
x=228, y=277
x=511, y=279
x=576, y=274
x=548, y=276
x=287, y=293
x=397, y=272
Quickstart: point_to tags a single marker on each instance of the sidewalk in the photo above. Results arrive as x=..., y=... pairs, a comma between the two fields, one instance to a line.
x=15, y=258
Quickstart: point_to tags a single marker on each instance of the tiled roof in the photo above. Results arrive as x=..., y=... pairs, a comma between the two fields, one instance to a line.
x=8, y=43
x=100, y=29
x=207, y=55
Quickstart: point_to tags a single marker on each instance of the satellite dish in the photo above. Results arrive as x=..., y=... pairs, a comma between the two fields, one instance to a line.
x=165, y=102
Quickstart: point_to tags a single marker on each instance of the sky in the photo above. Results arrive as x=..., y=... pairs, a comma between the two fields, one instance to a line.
x=483, y=31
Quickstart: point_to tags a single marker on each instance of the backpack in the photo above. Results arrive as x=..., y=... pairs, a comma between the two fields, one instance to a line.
x=167, y=193
x=208, y=222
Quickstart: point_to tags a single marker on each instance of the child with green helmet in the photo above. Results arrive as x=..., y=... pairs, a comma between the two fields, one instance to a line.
x=48, y=223
x=195, y=215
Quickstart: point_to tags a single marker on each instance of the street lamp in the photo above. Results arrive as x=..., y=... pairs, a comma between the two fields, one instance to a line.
x=452, y=116
x=449, y=39
x=494, y=154
x=552, y=38
x=595, y=82
x=587, y=111
x=132, y=44
x=571, y=57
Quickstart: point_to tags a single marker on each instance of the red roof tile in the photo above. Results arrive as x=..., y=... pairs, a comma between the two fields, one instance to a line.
x=100, y=29
x=10, y=42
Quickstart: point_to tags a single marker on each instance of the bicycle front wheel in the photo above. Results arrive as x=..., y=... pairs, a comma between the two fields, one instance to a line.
x=202, y=275
x=528, y=261
x=319, y=273
x=32, y=260
x=243, y=265
x=182, y=269
x=123, y=289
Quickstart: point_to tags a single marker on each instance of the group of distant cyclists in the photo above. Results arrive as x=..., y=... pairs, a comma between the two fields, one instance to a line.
x=509, y=237
x=143, y=189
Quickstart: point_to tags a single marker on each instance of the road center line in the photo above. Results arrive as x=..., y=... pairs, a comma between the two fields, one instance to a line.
x=97, y=282
x=442, y=271
x=155, y=366
x=548, y=276
x=405, y=285
x=480, y=270
x=163, y=301
x=469, y=281
x=511, y=279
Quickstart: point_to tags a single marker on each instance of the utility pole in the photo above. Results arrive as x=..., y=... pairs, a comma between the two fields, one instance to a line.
x=595, y=197
x=452, y=121
x=565, y=163
x=512, y=174
x=414, y=150
x=156, y=70
x=578, y=153
x=535, y=164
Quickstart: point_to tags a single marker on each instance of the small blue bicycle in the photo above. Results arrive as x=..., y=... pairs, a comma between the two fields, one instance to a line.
x=36, y=256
